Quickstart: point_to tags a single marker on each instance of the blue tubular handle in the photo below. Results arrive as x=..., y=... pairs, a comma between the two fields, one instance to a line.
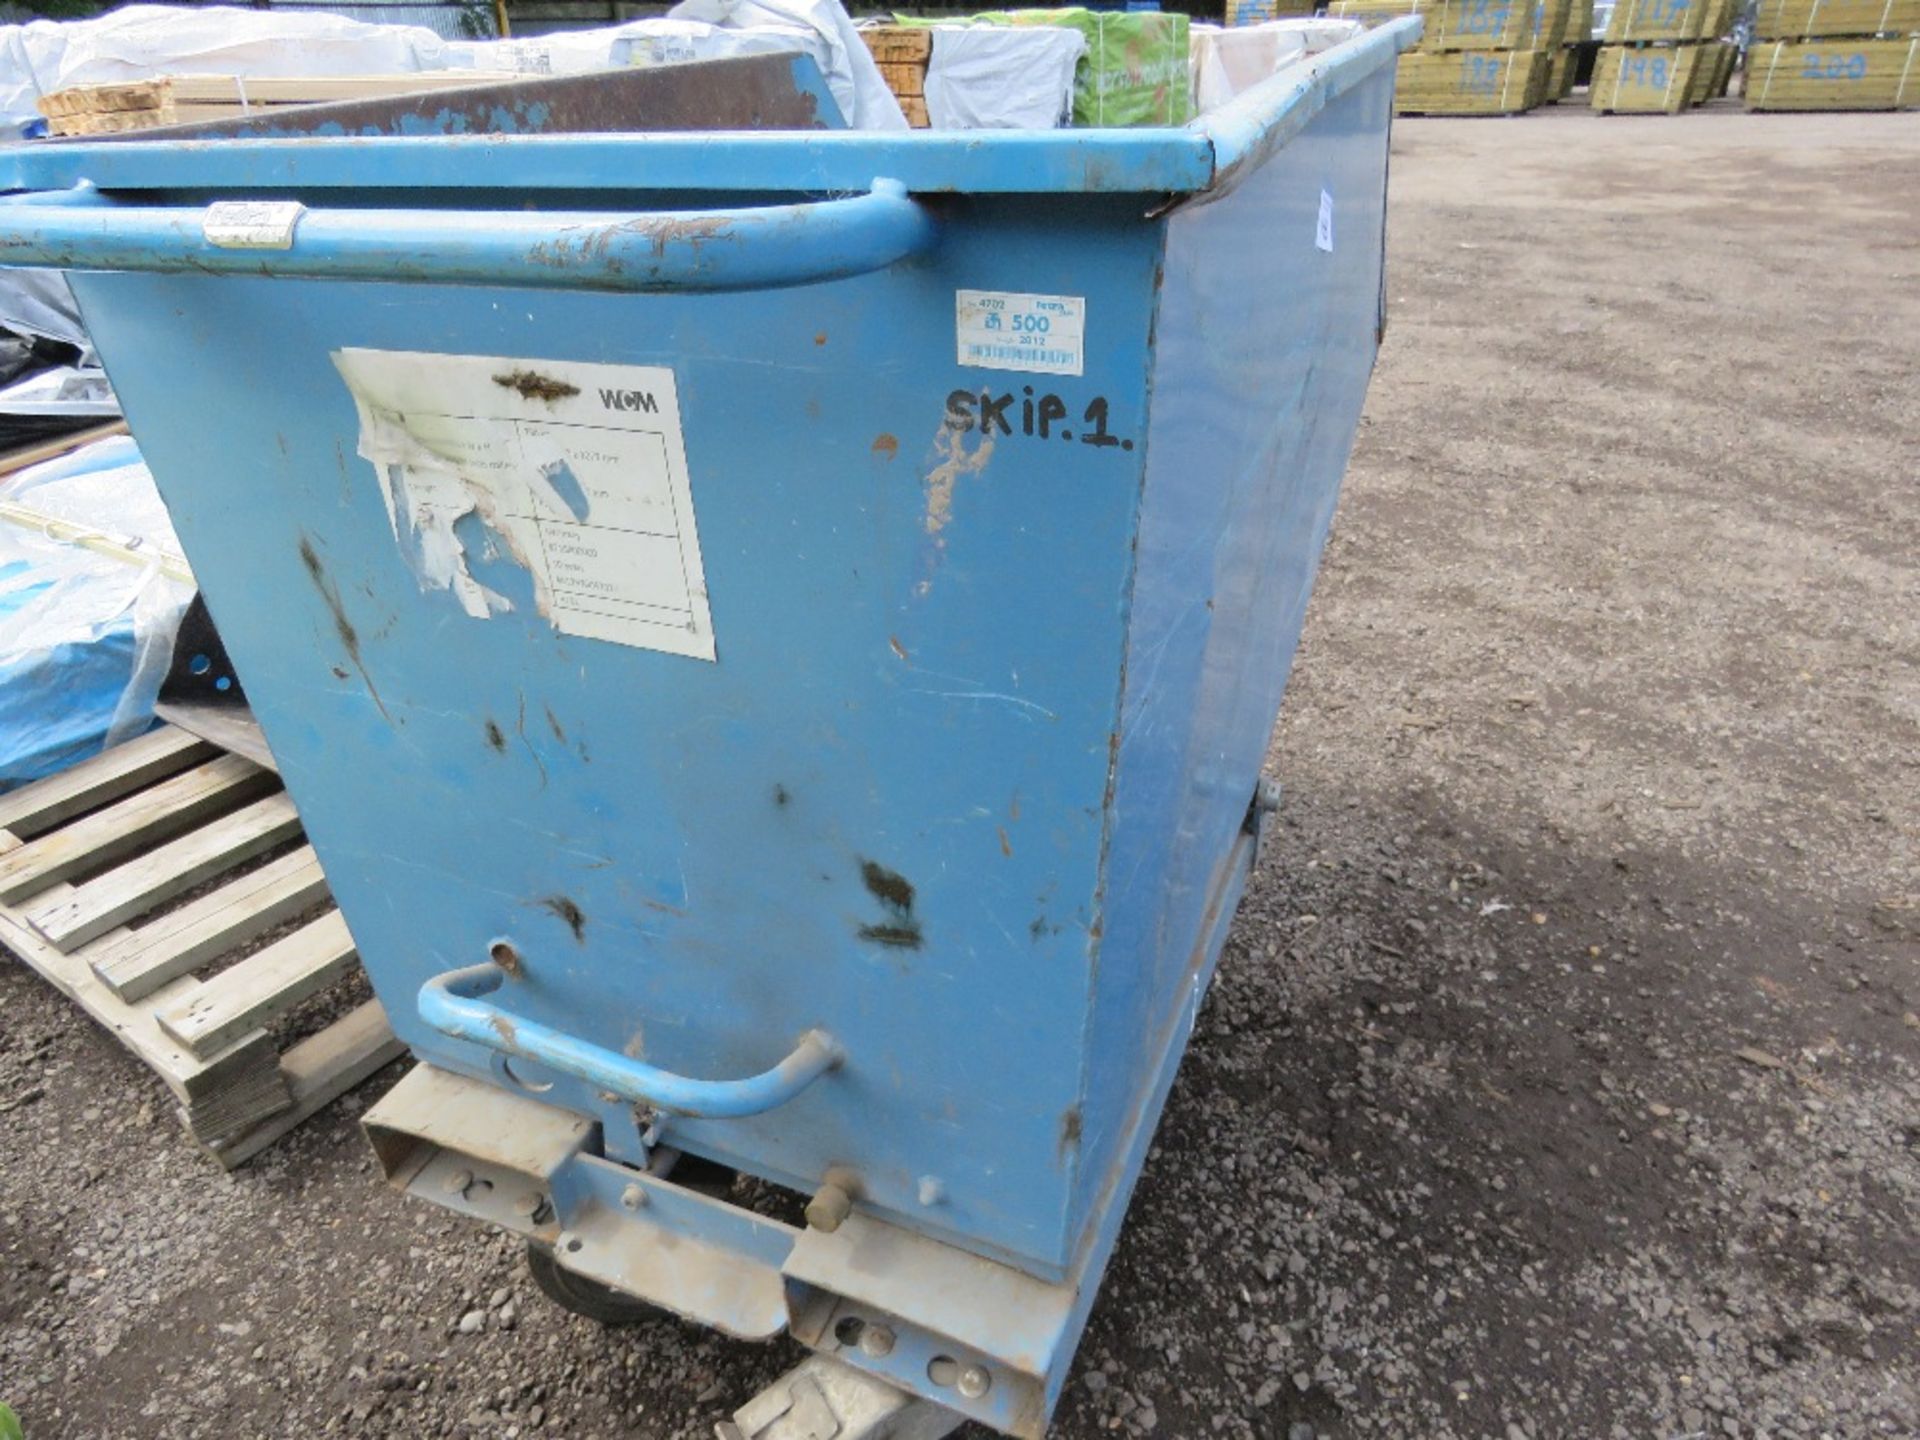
x=690, y=250
x=451, y=1004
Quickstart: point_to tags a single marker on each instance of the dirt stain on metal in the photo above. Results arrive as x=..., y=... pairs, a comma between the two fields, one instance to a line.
x=889, y=887
x=1006, y=845
x=595, y=244
x=780, y=795
x=553, y=724
x=1069, y=1132
x=564, y=908
x=901, y=928
x=496, y=737
x=532, y=385
x=952, y=459
x=349, y=637
x=886, y=445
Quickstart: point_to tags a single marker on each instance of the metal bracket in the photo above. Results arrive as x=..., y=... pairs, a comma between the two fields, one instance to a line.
x=1260, y=812
x=822, y=1399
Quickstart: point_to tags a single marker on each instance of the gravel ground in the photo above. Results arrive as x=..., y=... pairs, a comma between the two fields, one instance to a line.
x=1563, y=1075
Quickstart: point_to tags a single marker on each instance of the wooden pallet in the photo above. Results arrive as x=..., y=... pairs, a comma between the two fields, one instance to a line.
x=90, y=859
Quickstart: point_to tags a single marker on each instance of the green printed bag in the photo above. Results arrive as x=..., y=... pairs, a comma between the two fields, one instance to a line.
x=1135, y=69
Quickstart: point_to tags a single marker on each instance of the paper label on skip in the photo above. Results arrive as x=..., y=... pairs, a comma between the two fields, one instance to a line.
x=559, y=485
x=1042, y=334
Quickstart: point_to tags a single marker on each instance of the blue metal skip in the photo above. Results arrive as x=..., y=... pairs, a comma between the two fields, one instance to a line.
x=773, y=638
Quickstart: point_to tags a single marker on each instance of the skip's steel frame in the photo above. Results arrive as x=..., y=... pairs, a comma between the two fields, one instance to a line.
x=909, y=901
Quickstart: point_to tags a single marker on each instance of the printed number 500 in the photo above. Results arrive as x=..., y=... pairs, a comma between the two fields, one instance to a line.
x=1022, y=324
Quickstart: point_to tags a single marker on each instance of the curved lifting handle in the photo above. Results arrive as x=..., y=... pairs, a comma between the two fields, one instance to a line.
x=451, y=1004
x=756, y=248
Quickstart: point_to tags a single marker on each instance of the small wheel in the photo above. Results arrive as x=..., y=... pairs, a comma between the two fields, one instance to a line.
x=573, y=1291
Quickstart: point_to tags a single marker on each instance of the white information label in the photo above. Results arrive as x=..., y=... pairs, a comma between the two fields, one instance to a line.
x=1044, y=334
x=251, y=224
x=1323, y=231
x=554, y=483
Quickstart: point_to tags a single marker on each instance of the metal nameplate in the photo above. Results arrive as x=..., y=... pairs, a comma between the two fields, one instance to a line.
x=252, y=224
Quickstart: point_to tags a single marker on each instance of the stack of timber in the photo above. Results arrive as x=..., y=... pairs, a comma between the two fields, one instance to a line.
x=1663, y=56
x=1835, y=55
x=902, y=53
x=1560, y=66
x=1639, y=22
x=1828, y=19
x=1553, y=22
x=1714, y=73
x=1834, y=74
x=1646, y=79
x=1565, y=62
x=1258, y=12
x=1722, y=17
x=1451, y=24
x=142, y=883
x=1475, y=57
x=1471, y=82
x=188, y=99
